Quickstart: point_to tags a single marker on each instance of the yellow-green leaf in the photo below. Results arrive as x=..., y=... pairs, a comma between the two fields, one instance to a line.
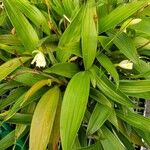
x=43, y=118
x=11, y=65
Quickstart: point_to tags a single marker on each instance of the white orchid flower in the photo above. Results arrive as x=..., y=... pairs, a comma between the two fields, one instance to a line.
x=2, y=5
x=135, y=21
x=126, y=64
x=39, y=59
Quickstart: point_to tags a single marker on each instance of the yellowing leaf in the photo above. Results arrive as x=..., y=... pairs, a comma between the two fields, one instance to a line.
x=38, y=85
x=43, y=118
x=11, y=65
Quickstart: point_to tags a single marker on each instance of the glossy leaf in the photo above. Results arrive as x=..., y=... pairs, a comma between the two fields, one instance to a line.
x=135, y=120
x=109, y=66
x=75, y=97
x=119, y=14
x=25, y=31
x=63, y=69
x=33, y=13
x=111, y=141
x=89, y=36
x=99, y=115
x=71, y=34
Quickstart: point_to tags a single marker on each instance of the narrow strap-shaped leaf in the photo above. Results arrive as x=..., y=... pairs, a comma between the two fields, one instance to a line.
x=71, y=34
x=38, y=85
x=7, y=141
x=68, y=7
x=73, y=108
x=55, y=134
x=99, y=115
x=33, y=14
x=134, y=86
x=89, y=35
x=119, y=14
x=137, y=121
x=126, y=46
x=109, y=66
x=25, y=31
x=11, y=65
x=18, y=118
x=111, y=141
x=109, y=89
x=43, y=118
x=17, y=106
x=12, y=97
x=63, y=69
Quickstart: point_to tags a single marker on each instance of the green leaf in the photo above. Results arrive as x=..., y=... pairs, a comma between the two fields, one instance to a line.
x=134, y=86
x=18, y=118
x=109, y=66
x=42, y=121
x=126, y=46
x=135, y=120
x=99, y=115
x=25, y=31
x=17, y=105
x=96, y=146
x=11, y=65
x=12, y=97
x=63, y=69
x=111, y=141
x=7, y=141
x=109, y=89
x=119, y=14
x=27, y=76
x=143, y=26
x=9, y=39
x=89, y=36
x=73, y=108
x=68, y=7
x=71, y=34
x=34, y=14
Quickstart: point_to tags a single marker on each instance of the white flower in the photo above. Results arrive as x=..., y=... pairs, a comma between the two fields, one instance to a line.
x=39, y=59
x=135, y=21
x=2, y=5
x=126, y=64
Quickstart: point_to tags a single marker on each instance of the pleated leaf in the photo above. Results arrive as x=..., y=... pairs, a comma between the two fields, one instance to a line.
x=99, y=115
x=110, y=90
x=135, y=86
x=63, y=69
x=11, y=65
x=126, y=46
x=38, y=85
x=73, y=108
x=109, y=66
x=25, y=31
x=111, y=142
x=135, y=120
x=89, y=36
x=119, y=14
x=43, y=118
x=71, y=34
x=7, y=141
x=33, y=14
